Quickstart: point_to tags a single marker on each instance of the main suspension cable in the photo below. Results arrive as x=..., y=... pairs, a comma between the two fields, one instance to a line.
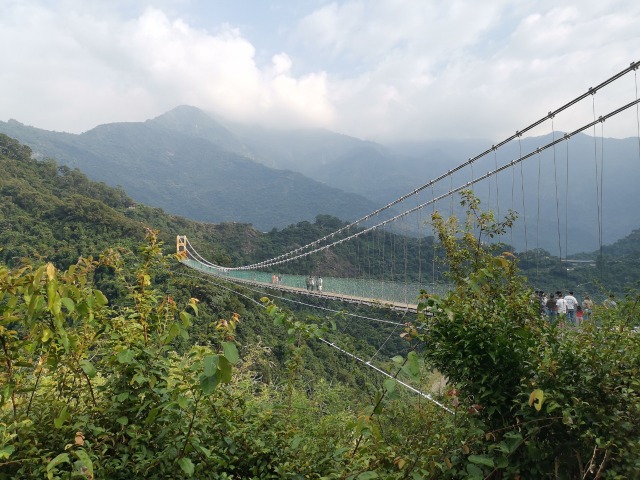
x=633, y=66
x=280, y=260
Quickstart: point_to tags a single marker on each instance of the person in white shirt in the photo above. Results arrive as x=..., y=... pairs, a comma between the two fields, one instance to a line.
x=572, y=304
x=562, y=306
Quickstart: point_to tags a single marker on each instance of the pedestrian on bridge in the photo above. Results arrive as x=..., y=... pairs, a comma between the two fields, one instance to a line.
x=610, y=302
x=552, y=309
x=571, y=304
x=311, y=283
x=562, y=306
x=587, y=307
x=542, y=301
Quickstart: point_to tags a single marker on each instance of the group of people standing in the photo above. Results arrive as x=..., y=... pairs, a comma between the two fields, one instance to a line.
x=314, y=283
x=559, y=307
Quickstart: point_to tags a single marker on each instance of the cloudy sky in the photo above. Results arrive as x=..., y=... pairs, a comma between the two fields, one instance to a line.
x=383, y=70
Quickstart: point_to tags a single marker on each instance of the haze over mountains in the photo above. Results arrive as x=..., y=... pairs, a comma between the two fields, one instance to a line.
x=190, y=164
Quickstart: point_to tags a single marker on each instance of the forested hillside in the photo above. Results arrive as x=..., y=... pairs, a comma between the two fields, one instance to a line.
x=188, y=166
x=50, y=213
x=55, y=212
x=122, y=365
x=209, y=169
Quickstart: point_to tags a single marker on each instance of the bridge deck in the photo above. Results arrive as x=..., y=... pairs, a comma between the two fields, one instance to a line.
x=373, y=302
x=342, y=297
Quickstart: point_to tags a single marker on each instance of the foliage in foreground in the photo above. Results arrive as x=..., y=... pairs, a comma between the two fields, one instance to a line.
x=94, y=390
x=551, y=401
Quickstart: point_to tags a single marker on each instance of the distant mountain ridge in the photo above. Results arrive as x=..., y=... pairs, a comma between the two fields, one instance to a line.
x=560, y=183
x=188, y=164
x=208, y=169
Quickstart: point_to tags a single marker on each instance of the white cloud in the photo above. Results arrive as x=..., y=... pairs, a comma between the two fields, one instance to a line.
x=83, y=71
x=476, y=70
x=382, y=70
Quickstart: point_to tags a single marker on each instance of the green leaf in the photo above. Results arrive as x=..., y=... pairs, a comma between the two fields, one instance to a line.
x=536, y=398
x=193, y=304
x=474, y=472
x=295, y=442
x=51, y=293
x=64, y=339
x=6, y=451
x=68, y=304
x=209, y=383
x=46, y=335
x=184, y=334
x=482, y=460
x=63, y=417
x=390, y=385
x=153, y=413
x=412, y=367
x=186, y=465
x=210, y=365
x=503, y=447
x=183, y=403
x=84, y=463
x=225, y=369
x=122, y=396
x=62, y=458
x=139, y=378
x=51, y=271
x=174, y=331
x=100, y=298
x=367, y=475
x=186, y=319
x=125, y=356
x=88, y=368
x=122, y=420
x=398, y=359
x=231, y=352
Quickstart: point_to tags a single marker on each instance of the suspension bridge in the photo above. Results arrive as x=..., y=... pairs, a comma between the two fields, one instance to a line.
x=385, y=241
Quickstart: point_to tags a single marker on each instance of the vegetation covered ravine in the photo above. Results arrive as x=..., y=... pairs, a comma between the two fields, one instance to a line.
x=116, y=365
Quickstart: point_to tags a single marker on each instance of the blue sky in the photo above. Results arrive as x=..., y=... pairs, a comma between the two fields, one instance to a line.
x=383, y=70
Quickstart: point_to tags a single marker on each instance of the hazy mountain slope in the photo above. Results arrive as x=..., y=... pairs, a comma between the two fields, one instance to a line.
x=569, y=194
x=569, y=221
x=186, y=174
x=366, y=168
x=301, y=150
x=189, y=163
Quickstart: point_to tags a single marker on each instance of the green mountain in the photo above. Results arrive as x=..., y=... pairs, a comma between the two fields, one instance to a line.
x=187, y=164
x=55, y=212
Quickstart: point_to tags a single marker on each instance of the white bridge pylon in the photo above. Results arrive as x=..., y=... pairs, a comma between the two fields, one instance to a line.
x=333, y=288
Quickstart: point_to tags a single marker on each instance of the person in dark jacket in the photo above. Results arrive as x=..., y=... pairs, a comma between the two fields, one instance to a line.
x=552, y=309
